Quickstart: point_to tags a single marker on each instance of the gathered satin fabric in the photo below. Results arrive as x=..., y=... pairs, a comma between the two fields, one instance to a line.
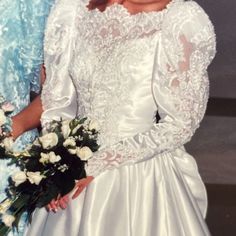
x=155, y=197
x=120, y=69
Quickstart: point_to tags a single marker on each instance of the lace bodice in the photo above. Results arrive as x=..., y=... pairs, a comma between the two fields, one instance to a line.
x=121, y=69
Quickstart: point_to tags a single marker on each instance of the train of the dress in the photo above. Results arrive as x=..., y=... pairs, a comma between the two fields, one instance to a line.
x=163, y=196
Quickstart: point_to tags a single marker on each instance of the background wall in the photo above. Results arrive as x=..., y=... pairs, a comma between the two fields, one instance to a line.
x=214, y=145
x=223, y=70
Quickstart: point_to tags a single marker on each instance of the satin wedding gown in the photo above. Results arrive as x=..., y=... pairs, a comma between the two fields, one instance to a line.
x=120, y=69
x=22, y=24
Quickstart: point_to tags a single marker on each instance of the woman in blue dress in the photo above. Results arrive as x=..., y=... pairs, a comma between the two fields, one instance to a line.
x=22, y=25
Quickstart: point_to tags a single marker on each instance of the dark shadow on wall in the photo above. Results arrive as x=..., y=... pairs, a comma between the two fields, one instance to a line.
x=222, y=72
x=221, y=214
x=221, y=107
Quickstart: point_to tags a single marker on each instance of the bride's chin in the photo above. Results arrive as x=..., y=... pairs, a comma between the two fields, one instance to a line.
x=146, y=1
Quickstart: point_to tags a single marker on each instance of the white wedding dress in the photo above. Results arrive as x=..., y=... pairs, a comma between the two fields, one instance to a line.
x=120, y=69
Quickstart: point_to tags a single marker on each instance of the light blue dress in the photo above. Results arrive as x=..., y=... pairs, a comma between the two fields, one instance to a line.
x=22, y=24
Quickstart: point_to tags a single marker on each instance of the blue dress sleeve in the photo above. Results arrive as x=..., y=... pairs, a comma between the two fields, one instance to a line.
x=33, y=17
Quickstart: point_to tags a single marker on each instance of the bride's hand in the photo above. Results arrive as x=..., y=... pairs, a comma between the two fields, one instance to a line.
x=62, y=202
x=81, y=185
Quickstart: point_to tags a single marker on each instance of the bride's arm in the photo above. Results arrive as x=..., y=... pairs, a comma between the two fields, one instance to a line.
x=180, y=88
x=58, y=94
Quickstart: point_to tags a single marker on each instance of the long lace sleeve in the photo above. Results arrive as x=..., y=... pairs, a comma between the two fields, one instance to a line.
x=58, y=94
x=180, y=89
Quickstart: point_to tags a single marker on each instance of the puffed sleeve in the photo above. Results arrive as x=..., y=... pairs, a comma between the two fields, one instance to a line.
x=58, y=94
x=180, y=88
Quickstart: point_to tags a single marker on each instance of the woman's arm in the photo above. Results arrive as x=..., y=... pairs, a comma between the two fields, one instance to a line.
x=29, y=117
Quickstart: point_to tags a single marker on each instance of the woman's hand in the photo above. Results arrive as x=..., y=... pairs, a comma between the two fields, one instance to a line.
x=81, y=185
x=62, y=202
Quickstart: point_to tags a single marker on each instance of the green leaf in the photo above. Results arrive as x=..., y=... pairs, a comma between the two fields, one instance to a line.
x=2, y=153
x=4, y=229
x=65, y=182
x=77, y=170
x=49, y=193
x=21, y=202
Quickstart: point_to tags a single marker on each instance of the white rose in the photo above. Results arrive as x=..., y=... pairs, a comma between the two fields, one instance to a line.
x=69, y=142
x=8, y=220
x=63, y=168
x=66, y=128
x=5, y=206
x=23, y=153
x=93, y=125
x=49, y=140
x=3, y=118
x=84, y=153
x=19, y=178
x=72, y=151
x=44, y=158
x=34, y=177
x=76, y=128
x=8, y=107
x=8, y=143
x=53, y=158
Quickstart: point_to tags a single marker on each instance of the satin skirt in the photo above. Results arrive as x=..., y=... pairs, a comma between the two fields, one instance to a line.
x=163, y=196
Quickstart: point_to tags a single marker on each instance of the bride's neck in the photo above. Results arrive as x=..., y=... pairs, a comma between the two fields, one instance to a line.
x=133, y=6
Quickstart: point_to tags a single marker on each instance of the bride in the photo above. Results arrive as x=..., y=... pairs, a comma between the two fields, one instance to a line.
x=121, y=62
